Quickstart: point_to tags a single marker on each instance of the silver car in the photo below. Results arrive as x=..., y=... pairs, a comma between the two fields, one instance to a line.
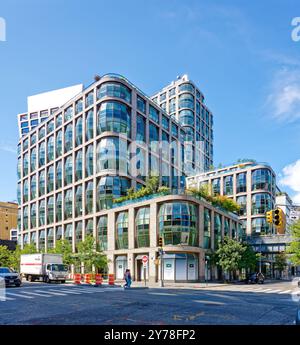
x=10, y=277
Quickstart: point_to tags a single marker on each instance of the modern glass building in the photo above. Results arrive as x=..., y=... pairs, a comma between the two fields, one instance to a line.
x=184, y=101
x=251, y=185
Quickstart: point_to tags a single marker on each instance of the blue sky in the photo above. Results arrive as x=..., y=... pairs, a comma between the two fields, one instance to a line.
x=239, y=53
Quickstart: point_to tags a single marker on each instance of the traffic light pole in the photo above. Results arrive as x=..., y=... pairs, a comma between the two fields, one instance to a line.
x=161, y=267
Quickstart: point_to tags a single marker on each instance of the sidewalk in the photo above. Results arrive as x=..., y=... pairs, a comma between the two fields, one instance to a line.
x=171, y=285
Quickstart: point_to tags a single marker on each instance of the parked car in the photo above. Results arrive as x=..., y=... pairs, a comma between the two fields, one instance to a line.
x=255, y=278
x=11, y=277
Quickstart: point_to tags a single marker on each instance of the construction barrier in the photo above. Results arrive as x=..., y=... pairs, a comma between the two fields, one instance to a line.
x=111, y=279
x=98, y=279
x=77, y=278
x=87, y=278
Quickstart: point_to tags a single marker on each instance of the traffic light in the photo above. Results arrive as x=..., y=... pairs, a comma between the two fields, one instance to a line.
x=160, y=242
x=269, y=217
x=278, y=218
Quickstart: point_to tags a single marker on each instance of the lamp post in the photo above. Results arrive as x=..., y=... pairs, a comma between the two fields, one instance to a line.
x=260, y=256
x=206, y=272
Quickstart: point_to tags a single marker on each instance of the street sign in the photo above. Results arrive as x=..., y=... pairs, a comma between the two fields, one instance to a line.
x=145, y=259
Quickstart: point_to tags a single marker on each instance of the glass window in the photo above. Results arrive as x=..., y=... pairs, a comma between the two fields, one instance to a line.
x=102, y=232
x=242, y=202
x=58, y=120
x=89, y=227
x=216, y=186
x=141, y=104
x=114, y=117
x=33, y=187
x=68, y=113
x=78, y=232
x=217, y=230
x=172, y=105
x=261, y=203
x=78, y=106
x=178, y=223
x=228, y=185
x=78, y=165
x=163, y=96
x=142, y=225
x=261, y=179
x=114, y=90
x=207, y=229
x=89, y=125
x=89, y=160
x=165, y=122
x=19, y=168
x=42, y=211
x=153, y=113
x=186, y=117
x=122, y=231
x=42, y=240
x=59, y=143
x=112, y=155
x=109, y=188
x=68, y=170
x=78, y=131
x=25, y=191
x=50, y=148
x=25, y=217
x=165, y=146
x=89, y=197
x=42, y=154
x=33, y=139
x=153, y=138
x=33, y=215
x=68, y=204
x=261, y=227
x=50, y=126
x=89, y=99
x=140, y=128
x=50, y=210
x=50, y=179
x=241, y=183
x=59, y=175
x=174, y=130
x=42, y=132
x=186, y=87
x=42, y=184
x=25, y=164
x=186, y=100
x=68, y=235
x=58, y=234
x=78, y=201
x=50, y=238
x=68, y=138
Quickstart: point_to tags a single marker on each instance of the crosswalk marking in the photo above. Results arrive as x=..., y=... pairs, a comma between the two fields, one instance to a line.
x=286, y=291
x=18, y=295
x=71, y=292
x=3, y=299
x=36, y=294
x=273, y=291
x=52, y=292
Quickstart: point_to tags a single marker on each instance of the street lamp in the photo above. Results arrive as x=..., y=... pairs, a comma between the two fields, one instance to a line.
x=260, y=242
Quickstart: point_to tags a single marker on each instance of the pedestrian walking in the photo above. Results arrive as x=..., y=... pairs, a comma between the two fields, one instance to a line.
x=127, y=278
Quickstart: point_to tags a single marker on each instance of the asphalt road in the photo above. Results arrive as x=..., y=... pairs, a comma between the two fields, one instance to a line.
x=42, y=304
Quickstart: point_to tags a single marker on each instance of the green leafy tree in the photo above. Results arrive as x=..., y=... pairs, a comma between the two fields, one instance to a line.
x=5, y=256
x=64, y=247
x=229, y=255
x=280, y=262
x=90, y=255
x=249, y=258
x=294, y=247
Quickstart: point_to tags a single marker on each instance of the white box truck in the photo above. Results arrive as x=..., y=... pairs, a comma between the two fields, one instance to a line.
x=48, y=267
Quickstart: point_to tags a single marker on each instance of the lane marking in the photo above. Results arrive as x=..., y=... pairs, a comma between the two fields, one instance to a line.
x=286, y=291
x=66, y=291
x=208, y=302
x=162, y=294
x=273, y=291
x=17, y=295
x=4, y=299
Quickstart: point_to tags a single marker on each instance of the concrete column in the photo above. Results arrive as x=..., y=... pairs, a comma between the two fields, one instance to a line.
x=111, y=225
x=153, y=231
x=131, y=230
x=201, y=266
x=130, y=263
x=153, y=269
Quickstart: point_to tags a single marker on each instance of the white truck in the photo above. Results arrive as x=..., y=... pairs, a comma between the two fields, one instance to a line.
x=48, y=267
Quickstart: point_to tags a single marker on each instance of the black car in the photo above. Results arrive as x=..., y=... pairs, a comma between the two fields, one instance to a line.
x=255, y=278
x=10, y=277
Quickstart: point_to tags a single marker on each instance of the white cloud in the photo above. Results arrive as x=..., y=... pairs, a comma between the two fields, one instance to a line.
x=284, y=97
x=291, y=178
x=8, y=147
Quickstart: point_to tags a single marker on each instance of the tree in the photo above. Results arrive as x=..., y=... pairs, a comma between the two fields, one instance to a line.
x=90, y=255
x=294, y=247
x=5, y=256
x=280, y=262
x=249, y=258
x=64, y=247
x=229, y=255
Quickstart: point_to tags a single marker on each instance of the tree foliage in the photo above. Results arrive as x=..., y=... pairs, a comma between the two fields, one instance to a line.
x=64, y=247
x=280, y=261
x=5, y=256
x=294, y=247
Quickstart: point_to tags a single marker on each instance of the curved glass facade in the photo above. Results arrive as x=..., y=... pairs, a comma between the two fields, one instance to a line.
x=260, y=227
x=89, y=189
x=59, y=143
x=217, y=229
x=59, y=175
x=262, y=179
x=111, y=89
x=42, y=212
x=89, y=125
x=228, y=185
x=68, y=204
x=25, y=191
x=114, y=117
x=50, y=179
x=68, y=138
x=110, y=187
x=25, y=218
x=33, y=215
x=142, y=225
x=186, y=87
x=68, y=170
x=78, y=131
x=242, y=202
x=178, y=223
x=50, y=149
x=42, y=154
x=89, y=227
x=186, y=117
x=89, y=160
x=122, y=231
x=102, y=232
x=207, y=229
x=241, y=183
x=32, y=160
x=186, y=100
x=78, y=165
x=50, y=210
x=42, y=183
x=78, y=201
x=261, y=203
x=33, y=187
x=59, y=207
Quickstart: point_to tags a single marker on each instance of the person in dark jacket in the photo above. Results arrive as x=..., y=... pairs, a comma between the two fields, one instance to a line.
x=127, y=278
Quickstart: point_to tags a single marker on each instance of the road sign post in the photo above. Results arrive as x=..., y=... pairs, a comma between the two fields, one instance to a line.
x=145, y=262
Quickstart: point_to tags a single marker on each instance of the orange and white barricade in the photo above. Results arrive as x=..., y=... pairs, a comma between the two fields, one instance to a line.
x=111, y=279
